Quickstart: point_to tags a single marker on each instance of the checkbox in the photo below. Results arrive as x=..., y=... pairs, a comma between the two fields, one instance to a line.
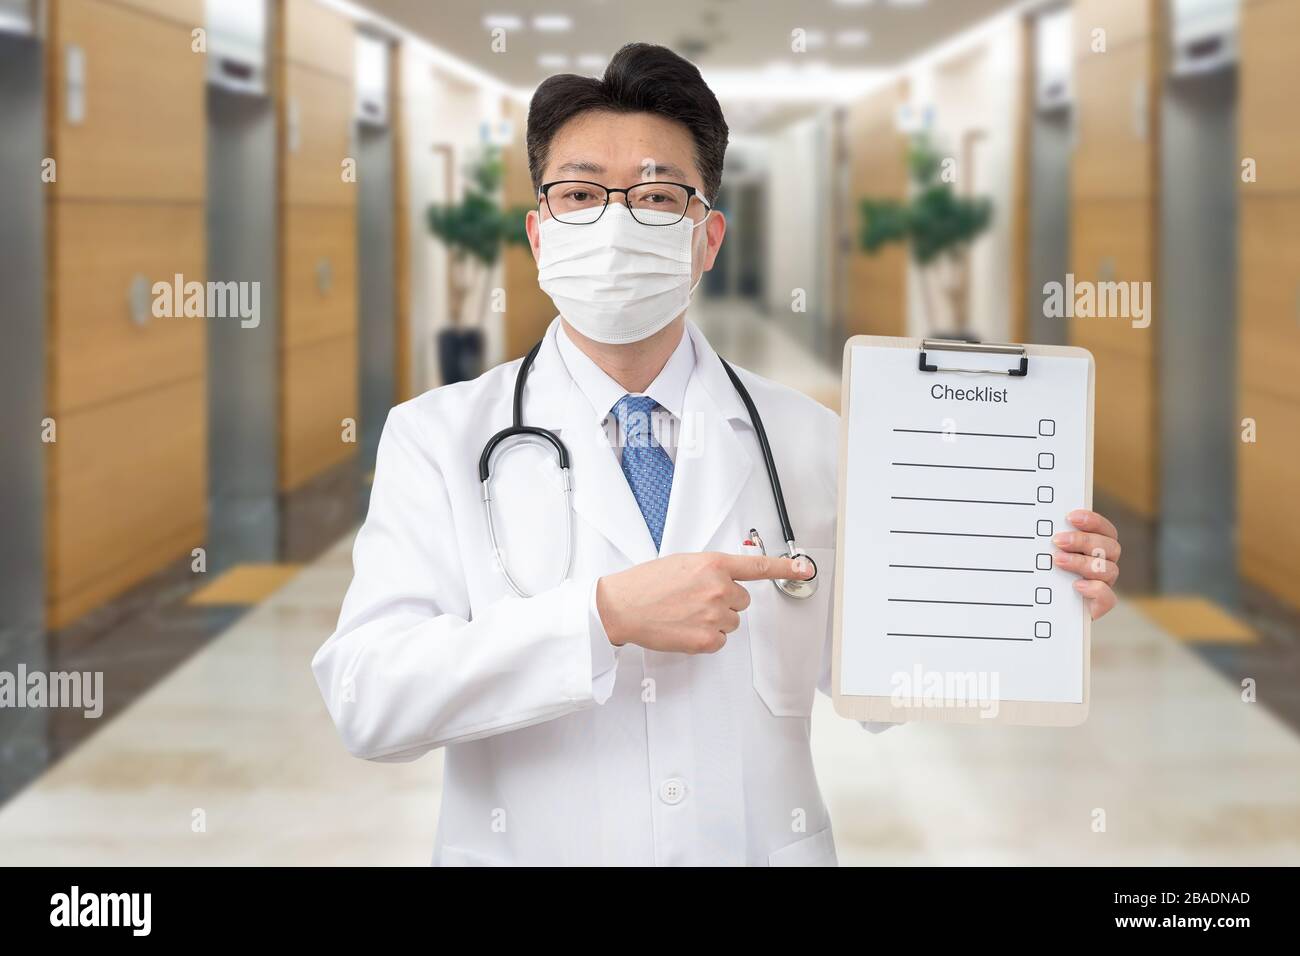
x=1045, y=494
x=1046, y=460
x=1042, y=629
x=1047, y=427
x=1042, y=595
x=1043, y=562
x=1044, y=527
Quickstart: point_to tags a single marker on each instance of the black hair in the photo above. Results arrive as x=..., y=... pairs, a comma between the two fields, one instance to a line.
x=641, y=78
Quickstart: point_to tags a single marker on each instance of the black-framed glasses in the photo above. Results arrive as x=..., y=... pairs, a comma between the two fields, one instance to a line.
x=580, y=203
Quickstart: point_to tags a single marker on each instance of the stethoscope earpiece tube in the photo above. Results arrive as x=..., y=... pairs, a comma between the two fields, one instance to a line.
x=517, y=429
x=789, y=586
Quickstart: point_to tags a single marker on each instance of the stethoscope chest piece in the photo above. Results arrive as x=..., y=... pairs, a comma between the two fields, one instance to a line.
x=789, y=586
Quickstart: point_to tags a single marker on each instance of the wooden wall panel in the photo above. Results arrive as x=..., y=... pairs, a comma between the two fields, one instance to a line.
x=1269, y=293
x=319, y=240
x=875, y=294
x=319, y=37
x=1268, y=297
x=1113, y=243
x=319, y=139
x=128, y=480
x=188, y=13
x=101, y=353
x=319, y=392
x=1114, y=233
x=1124, y=425
x=318, y=334
x=1268, y=474
x=1269, y=81
x=529, y=310
x=143, y=134
x=127, y=475
x=1125, y=21
x=1115, y=144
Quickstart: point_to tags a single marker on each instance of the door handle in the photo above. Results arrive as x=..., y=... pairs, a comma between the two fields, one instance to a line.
x=74, y=82
x=138, y=297
x=324, y=276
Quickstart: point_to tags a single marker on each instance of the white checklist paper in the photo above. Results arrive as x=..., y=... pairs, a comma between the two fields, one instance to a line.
x=955, y=483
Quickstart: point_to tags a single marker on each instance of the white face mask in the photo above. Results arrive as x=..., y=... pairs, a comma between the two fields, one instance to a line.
x=617, y=280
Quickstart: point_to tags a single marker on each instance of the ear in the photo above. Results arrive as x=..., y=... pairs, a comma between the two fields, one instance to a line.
x=715, y=228
x=532, y=226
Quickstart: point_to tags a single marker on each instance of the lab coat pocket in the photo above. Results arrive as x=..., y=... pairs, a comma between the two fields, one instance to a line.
x=815, y=850
x=786, y=638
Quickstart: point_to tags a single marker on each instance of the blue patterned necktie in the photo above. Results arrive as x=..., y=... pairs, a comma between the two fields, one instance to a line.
x=647, y=466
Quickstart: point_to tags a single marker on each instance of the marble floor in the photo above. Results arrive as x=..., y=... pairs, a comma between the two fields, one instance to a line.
x=231, y=759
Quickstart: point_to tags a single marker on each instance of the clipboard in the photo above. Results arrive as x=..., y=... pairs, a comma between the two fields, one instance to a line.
x=939, y=451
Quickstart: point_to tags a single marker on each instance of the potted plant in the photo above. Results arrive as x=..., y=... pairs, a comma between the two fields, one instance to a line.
x=939, y=225
x=474, y=230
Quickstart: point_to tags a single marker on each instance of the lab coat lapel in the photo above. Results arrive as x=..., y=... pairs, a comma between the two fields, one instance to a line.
x=601, y=496
x=712, y=462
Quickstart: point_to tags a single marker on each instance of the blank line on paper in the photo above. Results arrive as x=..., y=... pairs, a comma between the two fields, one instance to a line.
x=962, y=501
x=967, y=534
x=939, y=601
x=944, y=567
x=940, y=431
x=921, y=464
x=961, y=637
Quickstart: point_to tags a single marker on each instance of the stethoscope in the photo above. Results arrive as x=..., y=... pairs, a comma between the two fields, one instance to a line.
x=790, y=587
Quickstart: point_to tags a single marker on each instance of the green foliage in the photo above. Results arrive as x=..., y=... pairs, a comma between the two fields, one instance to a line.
x=935, y=220
x=477, y=227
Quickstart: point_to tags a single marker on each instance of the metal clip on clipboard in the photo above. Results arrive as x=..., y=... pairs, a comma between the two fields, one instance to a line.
x=946, y=345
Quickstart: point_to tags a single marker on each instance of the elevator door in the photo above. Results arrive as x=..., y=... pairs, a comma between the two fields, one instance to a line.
x=377, y=325
x=23, y=735
x=1198, y=336
x=243, y=356
x=1049, y=219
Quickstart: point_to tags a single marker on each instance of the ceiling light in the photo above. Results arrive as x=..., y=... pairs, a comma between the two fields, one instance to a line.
x=552, y=23
x=553, y=61
x=852, y=3
x=503, y=21
x=592, y=61
x=852, y=38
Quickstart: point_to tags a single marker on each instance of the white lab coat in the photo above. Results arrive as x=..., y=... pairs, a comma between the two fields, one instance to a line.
x=677, y=759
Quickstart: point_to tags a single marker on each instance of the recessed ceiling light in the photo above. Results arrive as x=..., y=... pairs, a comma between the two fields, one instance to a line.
x=906, y=3
x=853, y=3
x=814, y=39
x=553, y=61
x=852, y=37
x=503, y=21
x=592, y=61
x=552, y=22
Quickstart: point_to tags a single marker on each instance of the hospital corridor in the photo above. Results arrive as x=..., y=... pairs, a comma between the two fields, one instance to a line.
x=235, y=233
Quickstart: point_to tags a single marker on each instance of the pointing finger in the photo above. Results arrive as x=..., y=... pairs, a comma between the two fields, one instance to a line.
x=760, y=567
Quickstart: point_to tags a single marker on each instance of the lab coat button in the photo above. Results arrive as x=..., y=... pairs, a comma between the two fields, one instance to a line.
x=672, y=791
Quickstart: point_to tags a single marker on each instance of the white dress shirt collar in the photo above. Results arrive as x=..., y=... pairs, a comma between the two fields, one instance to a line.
x=668, y=388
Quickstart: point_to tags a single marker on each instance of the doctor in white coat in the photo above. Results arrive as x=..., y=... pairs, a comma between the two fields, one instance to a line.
x=653, y=706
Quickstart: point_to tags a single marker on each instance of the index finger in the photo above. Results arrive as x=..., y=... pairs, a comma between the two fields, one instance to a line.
x=1091, y=521
x=761, y=567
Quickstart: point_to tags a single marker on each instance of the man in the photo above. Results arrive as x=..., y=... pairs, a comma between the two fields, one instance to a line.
x=653, y=706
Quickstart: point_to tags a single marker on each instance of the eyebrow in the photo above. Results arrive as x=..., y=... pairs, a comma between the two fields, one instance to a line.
x=581, y=166
x=587, y=166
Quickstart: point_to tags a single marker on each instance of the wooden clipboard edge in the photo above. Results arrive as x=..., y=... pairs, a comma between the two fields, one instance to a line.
x=1010, y=712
